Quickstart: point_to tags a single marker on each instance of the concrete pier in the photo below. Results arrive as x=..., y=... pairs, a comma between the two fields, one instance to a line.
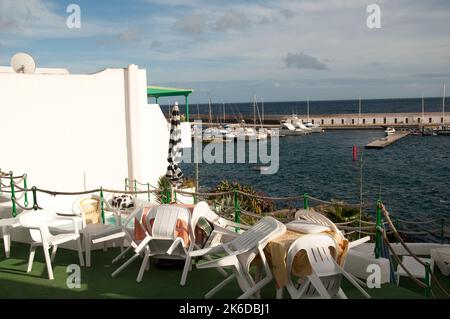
x=387, y=140
x=347, y=121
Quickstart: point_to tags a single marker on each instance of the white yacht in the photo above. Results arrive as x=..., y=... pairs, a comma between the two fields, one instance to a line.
x=298, y=124
x=289, y=129
x=315, y=128
x=389, y=131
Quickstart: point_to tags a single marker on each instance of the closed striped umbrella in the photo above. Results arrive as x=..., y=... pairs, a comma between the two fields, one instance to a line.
x=174, y=172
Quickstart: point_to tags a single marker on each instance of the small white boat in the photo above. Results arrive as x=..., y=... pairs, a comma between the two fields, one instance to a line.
x=315, y=128
x=389, y=131
x=289, y=129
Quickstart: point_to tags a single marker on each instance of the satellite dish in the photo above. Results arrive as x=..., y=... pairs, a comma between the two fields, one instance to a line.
x=23, y=63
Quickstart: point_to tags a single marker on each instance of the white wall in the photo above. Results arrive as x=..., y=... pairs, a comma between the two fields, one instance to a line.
x=69, y=132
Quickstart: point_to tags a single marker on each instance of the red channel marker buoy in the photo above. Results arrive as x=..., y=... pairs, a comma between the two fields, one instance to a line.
x=354, y=153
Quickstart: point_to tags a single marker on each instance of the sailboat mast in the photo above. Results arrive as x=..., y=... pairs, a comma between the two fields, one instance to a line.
x=307, y=109
x=423, y=109
x=254, y=111
x=443, y=106
x=359, y=111
x=210, y=116
x=262, y=107
x=224, y=112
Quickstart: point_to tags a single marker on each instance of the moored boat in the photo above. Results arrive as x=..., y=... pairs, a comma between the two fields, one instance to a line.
x=389, y=131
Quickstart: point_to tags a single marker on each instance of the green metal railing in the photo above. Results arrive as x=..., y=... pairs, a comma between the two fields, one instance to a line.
x=305, y=201
x=379, y=225
x=13, y=196
x=236, y=200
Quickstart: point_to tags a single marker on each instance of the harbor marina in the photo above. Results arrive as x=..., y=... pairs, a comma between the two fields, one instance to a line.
x=136, y=149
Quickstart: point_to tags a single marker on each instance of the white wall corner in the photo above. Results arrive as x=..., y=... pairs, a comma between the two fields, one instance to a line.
x=133, y=90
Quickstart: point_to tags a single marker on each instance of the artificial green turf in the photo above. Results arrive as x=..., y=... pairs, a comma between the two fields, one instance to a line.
x=96, y=281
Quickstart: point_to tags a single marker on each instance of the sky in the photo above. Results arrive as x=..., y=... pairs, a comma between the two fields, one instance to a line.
x=231, y=50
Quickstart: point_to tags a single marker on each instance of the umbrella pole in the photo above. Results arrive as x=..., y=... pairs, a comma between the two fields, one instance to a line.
x=172, y=197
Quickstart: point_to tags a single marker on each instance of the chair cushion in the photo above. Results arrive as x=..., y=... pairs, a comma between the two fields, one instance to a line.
x=122, y=202
x=180, y=230
x=91, y=210
x=67, y=228
x=305, y=227
x=202, y=231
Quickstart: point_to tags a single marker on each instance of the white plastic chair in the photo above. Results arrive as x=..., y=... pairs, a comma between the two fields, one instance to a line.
x=130, y=234
x=162, y=241
x=318, y=218
x=6, y=224
x=239, y=254
x=38, y=224
x=93, y=230
x=325, y=279
x=223, y=229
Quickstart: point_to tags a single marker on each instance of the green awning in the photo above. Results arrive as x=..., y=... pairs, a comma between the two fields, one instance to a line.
x=159, y=91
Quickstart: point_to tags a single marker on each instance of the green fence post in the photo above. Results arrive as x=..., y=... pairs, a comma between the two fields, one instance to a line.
x=26, y=190
x=427, y=280
x=102, y=205
x=378, y=230
x=13, y=196
x=237, y=208
x=148, y=192
x=168, y=197
x=187, y=107
x=35, y=204
x=175, y=196
x=135, y=187
x=126, y=183
x=305, y=201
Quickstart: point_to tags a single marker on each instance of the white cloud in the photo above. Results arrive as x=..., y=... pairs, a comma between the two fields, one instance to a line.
x=192, y=24
x=303, y=61
x=232, y=20
x=247, y=40
x=39, y=19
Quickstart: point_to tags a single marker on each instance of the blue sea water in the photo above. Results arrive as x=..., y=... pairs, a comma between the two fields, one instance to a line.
x=412, y=176
x=432, y=104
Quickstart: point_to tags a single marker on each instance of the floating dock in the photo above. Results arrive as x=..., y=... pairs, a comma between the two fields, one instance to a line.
x=387, y=140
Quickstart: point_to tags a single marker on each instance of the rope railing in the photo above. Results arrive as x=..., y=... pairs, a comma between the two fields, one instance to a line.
x=414, y=222
x=274, y=198
x=399, y=261
x=347, y=223
x=10, y=175
x=339, y=203
x=344, y=226
x=18, y=192
x=429, y=271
